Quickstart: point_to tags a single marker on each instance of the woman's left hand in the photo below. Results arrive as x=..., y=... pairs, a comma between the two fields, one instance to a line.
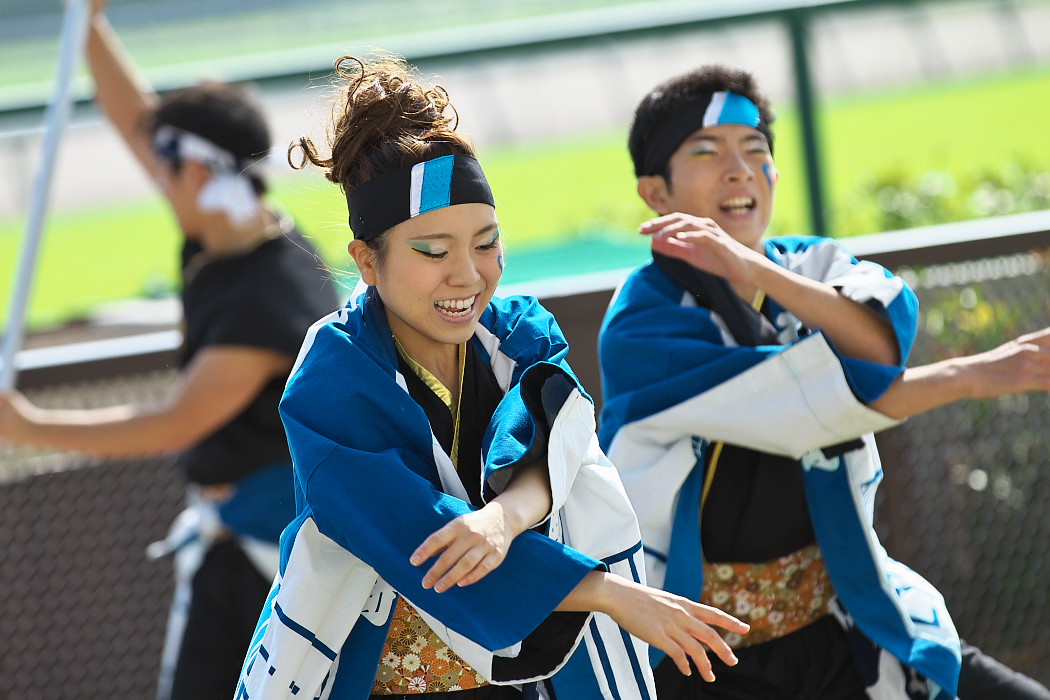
x=467, y=548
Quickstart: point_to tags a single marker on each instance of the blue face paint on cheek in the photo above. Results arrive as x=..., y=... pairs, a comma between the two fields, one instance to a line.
x=500, y=261
x=767, y=169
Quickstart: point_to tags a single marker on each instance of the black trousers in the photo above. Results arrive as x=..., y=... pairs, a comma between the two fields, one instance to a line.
x=815, y=663
x=228, y=595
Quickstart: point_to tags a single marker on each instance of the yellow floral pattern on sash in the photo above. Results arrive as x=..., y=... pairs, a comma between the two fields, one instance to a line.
x=416, y=660
x=776, y=597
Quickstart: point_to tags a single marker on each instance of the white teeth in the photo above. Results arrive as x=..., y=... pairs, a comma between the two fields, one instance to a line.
x=738, y=203
x=456, y=305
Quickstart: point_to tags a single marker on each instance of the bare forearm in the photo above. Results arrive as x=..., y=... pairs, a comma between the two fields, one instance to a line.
x=856, y=330
x=120, y=94
x=527, y=498
x=922, y=389
x=117, y=431
x=1017, y=366
x=596, y=592
x=217, y=385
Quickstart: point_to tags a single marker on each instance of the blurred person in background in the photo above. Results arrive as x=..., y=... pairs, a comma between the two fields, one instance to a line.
x=743, y=379
x=251, y=287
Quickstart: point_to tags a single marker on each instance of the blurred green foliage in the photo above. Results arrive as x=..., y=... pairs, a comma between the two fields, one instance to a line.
x=899, y=198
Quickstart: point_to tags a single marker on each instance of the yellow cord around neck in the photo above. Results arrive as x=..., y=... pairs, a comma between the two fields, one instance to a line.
x=453, y=402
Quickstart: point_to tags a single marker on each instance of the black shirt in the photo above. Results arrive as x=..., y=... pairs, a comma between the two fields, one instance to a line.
x=265, y=298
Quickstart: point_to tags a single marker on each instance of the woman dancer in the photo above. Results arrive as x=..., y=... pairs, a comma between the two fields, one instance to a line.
x=459, y=531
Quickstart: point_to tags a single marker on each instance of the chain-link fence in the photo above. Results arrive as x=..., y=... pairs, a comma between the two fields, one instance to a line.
x=967, y=494
x=966, y=502
x=82, y=610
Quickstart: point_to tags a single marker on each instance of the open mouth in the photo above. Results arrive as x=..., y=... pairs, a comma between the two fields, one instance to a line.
x=737, y=205
x=456, y=307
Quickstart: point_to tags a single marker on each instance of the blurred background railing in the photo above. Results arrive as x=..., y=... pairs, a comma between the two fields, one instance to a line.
x=966, y=499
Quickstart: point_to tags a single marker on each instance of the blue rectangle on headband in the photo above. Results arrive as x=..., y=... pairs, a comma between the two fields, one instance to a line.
x=737, y=109
x=436, y=190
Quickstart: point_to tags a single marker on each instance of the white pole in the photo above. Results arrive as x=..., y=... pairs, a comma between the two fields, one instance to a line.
x=74, y=35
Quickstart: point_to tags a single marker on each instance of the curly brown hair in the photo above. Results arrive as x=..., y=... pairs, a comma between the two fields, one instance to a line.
x=384, y=117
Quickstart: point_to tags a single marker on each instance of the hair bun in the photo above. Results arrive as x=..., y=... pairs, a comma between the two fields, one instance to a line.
x=385, y=117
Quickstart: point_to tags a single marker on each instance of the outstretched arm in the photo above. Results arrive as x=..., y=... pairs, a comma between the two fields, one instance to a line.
x=120, y=93
x=856, y=330
x=474, y=544
x=219, y=383
x=1020, y=365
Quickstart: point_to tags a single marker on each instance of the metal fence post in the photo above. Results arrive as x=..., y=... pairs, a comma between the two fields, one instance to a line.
x=798, y=26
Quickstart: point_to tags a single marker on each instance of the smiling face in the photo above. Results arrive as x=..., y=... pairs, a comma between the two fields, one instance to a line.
x=724, y=173
x=437, y=274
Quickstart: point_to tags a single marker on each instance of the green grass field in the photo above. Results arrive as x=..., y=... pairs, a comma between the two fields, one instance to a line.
x=569, y=205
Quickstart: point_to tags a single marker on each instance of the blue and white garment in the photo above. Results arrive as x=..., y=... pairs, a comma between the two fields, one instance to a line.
x=254, y=513
x=676, y=381
x=372, y=482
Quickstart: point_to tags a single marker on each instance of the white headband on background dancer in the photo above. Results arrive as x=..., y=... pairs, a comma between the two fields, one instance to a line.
x=706, y=110
x=230, y=189
x=386, y=201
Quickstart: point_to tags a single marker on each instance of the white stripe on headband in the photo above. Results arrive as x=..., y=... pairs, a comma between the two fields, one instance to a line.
x=714, y=108
x=431, y=185
x=415, y=189
x=190, y=146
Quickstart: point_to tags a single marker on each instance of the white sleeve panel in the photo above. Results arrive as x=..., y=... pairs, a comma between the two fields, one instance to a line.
x=652, y=475
x=861, y=280
x=326, y=590
x=793, y=402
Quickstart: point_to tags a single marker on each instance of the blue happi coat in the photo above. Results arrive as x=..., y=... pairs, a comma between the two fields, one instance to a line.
x=676, y=381
x=373, y=482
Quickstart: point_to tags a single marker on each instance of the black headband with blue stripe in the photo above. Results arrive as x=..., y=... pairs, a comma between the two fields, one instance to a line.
x=400, y=195
x=712, y=109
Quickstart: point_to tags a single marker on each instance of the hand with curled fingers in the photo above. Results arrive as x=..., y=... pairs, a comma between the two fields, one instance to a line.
x=703, y=244
x=679, y=627
x=467, y=548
